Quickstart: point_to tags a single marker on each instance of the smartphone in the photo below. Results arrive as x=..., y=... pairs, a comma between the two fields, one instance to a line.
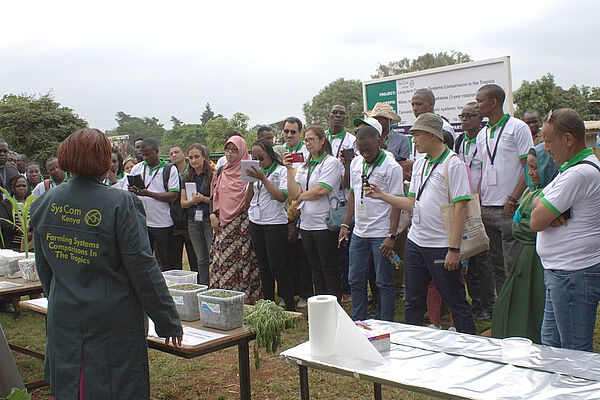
x=401, y=159
x=136, y=180
x=297, y=157
x=365, y=180
x=348, y=154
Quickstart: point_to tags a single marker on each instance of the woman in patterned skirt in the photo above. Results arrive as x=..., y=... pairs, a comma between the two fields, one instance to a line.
x=234, y=264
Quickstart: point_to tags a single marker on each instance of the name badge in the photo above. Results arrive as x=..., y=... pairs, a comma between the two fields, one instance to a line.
x=416, y=218
x=255, y=212
x=492, y=177
x=198, y=216
x=361, y=210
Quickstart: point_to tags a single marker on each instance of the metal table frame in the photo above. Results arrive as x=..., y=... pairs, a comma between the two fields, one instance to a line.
x=239, y=337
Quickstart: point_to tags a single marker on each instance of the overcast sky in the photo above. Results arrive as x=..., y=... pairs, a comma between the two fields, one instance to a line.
x=265, y=59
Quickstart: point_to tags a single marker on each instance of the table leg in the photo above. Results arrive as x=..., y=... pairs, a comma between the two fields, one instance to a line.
x=15, y=302
x=244, y=366
x=304, y=392
x=377, y=391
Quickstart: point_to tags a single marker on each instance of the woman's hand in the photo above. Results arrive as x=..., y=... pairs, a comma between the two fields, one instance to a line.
x=112, y=177
x=256, y=174
x=214, y=222
x=373, y=191
x=197, y=198
x=175, y=339
x=287, y=160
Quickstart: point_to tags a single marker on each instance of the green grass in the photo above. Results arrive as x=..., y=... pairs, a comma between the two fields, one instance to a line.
x=214, y=376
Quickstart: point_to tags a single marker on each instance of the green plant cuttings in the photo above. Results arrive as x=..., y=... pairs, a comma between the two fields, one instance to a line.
x=267, y=320
x=186, y=286
x=20, y=217
x=220, y=294
x=18, y=394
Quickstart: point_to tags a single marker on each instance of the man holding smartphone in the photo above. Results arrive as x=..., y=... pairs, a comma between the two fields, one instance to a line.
x=376, y=223
x=292, y=135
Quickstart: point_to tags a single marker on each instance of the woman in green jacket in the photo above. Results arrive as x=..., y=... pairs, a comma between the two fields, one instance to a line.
x=519, y=308
x=96, y=267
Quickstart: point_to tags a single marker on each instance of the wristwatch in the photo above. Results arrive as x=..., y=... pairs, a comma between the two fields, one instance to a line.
x=392, y=236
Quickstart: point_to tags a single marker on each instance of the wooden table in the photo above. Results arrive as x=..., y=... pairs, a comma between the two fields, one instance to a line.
x=239, y=337
x=14, y=293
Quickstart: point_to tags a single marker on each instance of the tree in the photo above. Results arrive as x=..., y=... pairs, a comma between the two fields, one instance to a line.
x=136, y=127
x=341, y=91
x=425, y=61
x=35, y=126
x=215, y=133
x=207, y=114
x=544, y=95
x=176, y=122
x=183, y=136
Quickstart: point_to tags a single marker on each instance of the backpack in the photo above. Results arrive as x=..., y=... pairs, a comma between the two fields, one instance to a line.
x=178, y=214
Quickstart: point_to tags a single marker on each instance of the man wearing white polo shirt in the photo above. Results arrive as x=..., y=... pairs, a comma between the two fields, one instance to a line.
x=156, y=199
x=566, y=216
x=376, y=223
x=430, y=255
x=503, y=144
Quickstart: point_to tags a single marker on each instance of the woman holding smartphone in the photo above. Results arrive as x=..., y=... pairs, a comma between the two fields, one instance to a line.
x=311, y=185
x=268, y=222
x=201, y=234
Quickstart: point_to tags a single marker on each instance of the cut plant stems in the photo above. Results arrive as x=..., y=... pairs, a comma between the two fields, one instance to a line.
x=267, y=320
x=20, y=217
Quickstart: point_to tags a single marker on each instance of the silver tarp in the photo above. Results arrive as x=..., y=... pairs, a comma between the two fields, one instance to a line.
x=459, y=366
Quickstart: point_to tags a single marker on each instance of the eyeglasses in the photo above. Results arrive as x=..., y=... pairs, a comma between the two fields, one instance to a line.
x=3, y=150
x=231, y=150
x=292, y=131
x=310, y=139
x=467, y=116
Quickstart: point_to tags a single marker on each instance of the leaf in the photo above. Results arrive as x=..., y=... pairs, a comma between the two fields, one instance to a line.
x=18, y=394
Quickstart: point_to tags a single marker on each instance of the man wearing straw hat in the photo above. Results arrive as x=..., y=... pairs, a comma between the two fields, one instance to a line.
x=396, y=143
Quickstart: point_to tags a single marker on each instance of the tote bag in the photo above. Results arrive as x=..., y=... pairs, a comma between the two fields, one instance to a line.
x=474, y=239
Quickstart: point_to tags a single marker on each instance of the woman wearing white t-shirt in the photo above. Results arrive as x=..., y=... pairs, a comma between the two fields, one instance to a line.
x=268, y=222
x=315, y=182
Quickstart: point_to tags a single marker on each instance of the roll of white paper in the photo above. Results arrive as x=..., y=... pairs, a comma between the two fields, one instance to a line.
x=322, y=324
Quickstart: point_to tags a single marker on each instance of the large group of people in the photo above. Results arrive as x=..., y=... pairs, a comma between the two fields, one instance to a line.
x=347, y=214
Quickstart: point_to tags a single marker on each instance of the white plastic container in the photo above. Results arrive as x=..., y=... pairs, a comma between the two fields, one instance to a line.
x=224, y=313
x=186, y=301
x=177, y=276
x=515, y=348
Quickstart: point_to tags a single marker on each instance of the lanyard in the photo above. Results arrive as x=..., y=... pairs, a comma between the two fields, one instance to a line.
x=466, y=150
x=259, y=185
x=153, y=176
x=487, y=144
x=442, y=157
x=295, y=149
x=311, y=168
x=337, y=153
x=366, y=166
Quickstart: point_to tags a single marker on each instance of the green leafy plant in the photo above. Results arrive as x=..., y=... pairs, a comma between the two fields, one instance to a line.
x=20, y=217
x=220, y=294
x=267, y=320
x=18, y=394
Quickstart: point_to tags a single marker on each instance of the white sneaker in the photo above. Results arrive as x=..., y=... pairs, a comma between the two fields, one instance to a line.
x=302, y=303
x=434, y=326
x=452, y=329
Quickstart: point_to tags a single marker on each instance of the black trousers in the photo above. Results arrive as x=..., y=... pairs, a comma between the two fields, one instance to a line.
x=299, y=270
x=181, y=236
x=270, y=245
x=320, y=248
x=161, y=240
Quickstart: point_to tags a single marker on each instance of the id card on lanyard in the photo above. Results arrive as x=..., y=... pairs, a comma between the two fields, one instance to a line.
x=417, y=206
x=492, y=174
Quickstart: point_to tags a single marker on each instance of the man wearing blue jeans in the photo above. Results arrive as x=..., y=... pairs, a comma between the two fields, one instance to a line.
x=376, y=223
x=432, y=254
x=566, y=216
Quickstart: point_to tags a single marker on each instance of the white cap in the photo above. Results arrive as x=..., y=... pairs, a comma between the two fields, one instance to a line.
x=369, y=121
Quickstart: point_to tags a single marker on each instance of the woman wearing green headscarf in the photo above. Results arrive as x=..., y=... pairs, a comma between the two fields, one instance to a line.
x=519, y=307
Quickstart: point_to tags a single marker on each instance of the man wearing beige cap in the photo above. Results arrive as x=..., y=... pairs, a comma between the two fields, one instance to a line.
x=429, y=253
x=396, y=143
